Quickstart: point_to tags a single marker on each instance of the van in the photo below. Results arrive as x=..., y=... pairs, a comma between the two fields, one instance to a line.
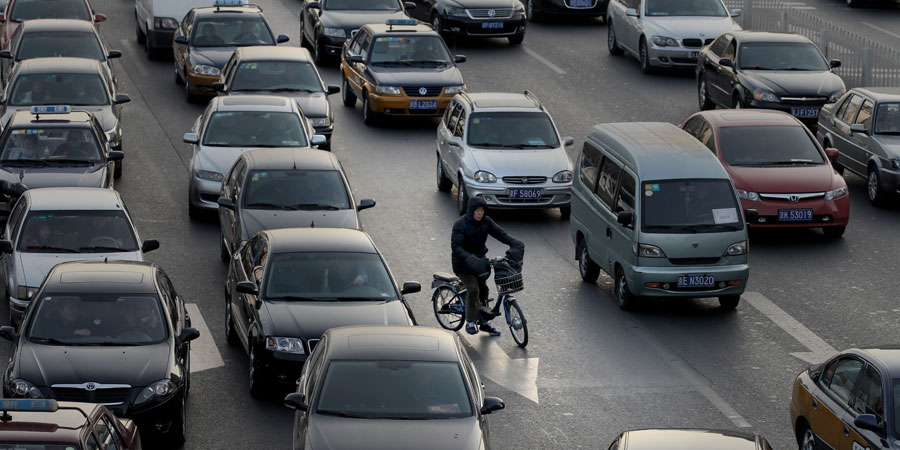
x=156, y=21
x=655, y=209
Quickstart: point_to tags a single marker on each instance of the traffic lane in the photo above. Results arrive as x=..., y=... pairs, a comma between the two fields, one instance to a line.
x=876, y=19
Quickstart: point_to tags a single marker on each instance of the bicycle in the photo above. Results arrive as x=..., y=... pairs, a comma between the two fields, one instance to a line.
x=449, y=299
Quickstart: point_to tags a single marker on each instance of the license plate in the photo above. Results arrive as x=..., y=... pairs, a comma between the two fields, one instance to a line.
x=690, y=281
x=695, y=55
x=795, y=215
x=524, y=194
x=581, y=3
x=423, y=104
x=491, y=24
x=810, y=113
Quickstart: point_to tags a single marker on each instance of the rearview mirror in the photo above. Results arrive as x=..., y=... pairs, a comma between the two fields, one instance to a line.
x=832, y=154
x=356, y=59
x=409, y=5
x=625, y=218
x=568, y=140
x=282, y=38
x=864, y=421
x=149, y=245
x=631, y=12
x=726, y=62
x=751, y=216
x=736, y=12
x=6, y=247
x=857, y=128
x=410, y=287
x=313, y=5
x=365, y=203
x=226, y=203
x=492, y=404
x=247, y=287
x=294, y=401
x=188, y=335
x=459, y=59
x=99, y=17
x=191, y=138
x=332, y=89
x=121, y=98
x=8, y=333
x=318, y=139
x=113, y=54
x=834, y=63
x=115, y=155
x=180, y=39
x=218, y=86
x=5, y=54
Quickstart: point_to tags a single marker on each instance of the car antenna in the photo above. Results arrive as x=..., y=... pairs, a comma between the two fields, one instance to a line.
x=312, y=224
x=106, y=260
x=21, y=175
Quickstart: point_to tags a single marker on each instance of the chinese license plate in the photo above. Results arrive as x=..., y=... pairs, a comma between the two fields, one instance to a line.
x=803, y=113
x=695, y=55
x=581, y=3
x=692, y=281
x=524, y=194
x=795, y=215
x=491, y=24
x=423, y=104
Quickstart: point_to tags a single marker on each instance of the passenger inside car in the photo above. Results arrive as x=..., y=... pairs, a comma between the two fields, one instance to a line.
x=66, y=319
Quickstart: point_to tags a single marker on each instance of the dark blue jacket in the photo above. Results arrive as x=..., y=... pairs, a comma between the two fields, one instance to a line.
x=467, y=241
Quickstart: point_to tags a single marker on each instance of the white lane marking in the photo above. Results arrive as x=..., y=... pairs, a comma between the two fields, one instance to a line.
x=204, y=353
x=887, y=32
x=517, y=375
x=544, y=61
x=819, y=350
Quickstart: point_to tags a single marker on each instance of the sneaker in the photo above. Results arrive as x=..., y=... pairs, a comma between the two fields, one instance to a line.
x=470, y=328
x=488, y=328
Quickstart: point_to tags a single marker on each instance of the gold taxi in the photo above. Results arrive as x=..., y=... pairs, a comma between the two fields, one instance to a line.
x=399, y=68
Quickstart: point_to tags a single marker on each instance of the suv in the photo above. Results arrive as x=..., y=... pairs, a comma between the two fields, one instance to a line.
x=504, y=148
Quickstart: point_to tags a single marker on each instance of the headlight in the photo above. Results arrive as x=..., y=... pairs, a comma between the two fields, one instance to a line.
x=663, y=41
x=836, y=96
x=836, y=193
x=648, y=251
x=895, y=164
x=563, y=176
x=167, y=23
x=765, y=96
x=450, y=90
x=485, y=177
x=335, y=32
x=285, y=344
x=454, y=11
x=26, y=292
x=520, y=8
x=738, y=248
x=208, y=175
x=392, y=90
x=203, y=69
x=24, y=389
x=156, y=392
x=319, y=121
x=748, y=195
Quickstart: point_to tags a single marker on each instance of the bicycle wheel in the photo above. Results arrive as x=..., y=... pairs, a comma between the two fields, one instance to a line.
x=449, y=308
x=518, y=326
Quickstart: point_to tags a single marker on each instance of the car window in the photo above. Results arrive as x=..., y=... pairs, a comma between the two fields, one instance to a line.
x=170, y=297
x=356, y=45
x=625, y=198
x=730, y=50
x=887, y=119
x=187, y=21
x=460, y=129
x=842, y=376
x=108, y=435
x=705, y=8
x=55, y=146
x=693, y=126
x=364, y=46
x=15, y=220
x=63, y=318
x=49, y=9
x=246, y=30
x=849, y=113
x=842, y=109
x=608, y=181
x=361, y=5
x=453, y=120
x=328, y=276
x=76, y=89
x=91, y=443
x=49, y=44
x=864, y=117
x=247, y=256
x=522, y=130
x=254, y=129
x=869, y=398
x=689, y=206
x=428, y=49
x=707, y=137
x=296, y=189
x=80, y=231
x=768, y=145
x=281, y=76
x=590, y=165
x=718, y=47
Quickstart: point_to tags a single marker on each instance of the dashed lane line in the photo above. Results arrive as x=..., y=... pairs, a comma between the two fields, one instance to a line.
x=204, y=353
x=819, y=350
x=544, y=61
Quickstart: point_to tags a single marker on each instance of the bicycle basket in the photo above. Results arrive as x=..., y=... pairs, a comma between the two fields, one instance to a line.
x=508, y=282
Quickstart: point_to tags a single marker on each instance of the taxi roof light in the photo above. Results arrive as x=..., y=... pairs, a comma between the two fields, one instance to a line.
x=230, y=2
x=391, y=23
x=51, y=109
x=26, y=404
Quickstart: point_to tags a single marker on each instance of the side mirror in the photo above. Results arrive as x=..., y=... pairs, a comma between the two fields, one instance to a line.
x=99, y=17
x=294, y=401
x=459, y=59
x=832, y=154
x=2, y=17
x=410, y=287
x=332, y=89
x=226, y=203
x=834, y=63
x=365, y=203
x=8, y=333
x=5, y=54
x=492, y=404
x=409, y=5
x=313, y=5
x=864, y=421
x=631, y=12
x=149, y=245
x=113, y=54
x=858, y=128
x=187, y=335
x=115, y=155
x=751, y=216
x=357, y=59
x=247, y=287
x=568, y=140
x=318, y=139
x=726, y=62
x=736, y=12
x=218, y=86
x=191, y=138
x=121, y=98
x=180, y=39
x=6, y=247
x=625, y=218
x=282, y=38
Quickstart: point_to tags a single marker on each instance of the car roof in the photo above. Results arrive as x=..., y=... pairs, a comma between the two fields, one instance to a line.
x=502, y=100
x=888, y=356
x=656, y=149
x=768, y=36
x=750, y=117
x=74, y=119
x=253, y=103
x=112, y=276
x=342, y=240
x=207, y=11
x=272, y=53
x=63, y=425
x=389, y=342
x=43, y=25
x=420, y=28
x=881, y=94
x=688, y=439
x=59, y=65
x=293, y=158
x=73, y=198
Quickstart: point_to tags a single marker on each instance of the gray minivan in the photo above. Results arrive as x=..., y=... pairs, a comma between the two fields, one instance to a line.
x=654, y=208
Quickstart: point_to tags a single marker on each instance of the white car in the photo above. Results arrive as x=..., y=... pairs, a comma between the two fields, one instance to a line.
x=666, y=33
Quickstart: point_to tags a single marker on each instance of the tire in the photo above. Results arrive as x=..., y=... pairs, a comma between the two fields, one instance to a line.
x=462, y=198
x=565, y=212
x=444, y=184
x=533, y=13
x=729, y=302
x=624, y=298
x=370, y=117
x=117, y=173
x=175, y=437
x=644, y=57
x=834, y=232
x=139, y=33
x=152, y=53
x=178, y=79
x=257, y=387
x=587, y=268
x=437, y=24
x=611, y=42
x=876, y=196
x=188, y=96
x=224, y=254
x=736, y=101
x=518, y=326
x=703, y=95
x=193, y=211
x=348, y=97
x=441, y=301
x=806, y=440
x=516, y=39
x=230, y=332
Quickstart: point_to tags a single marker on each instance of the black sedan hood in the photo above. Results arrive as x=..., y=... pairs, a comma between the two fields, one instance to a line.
x=256, y=220
x=419, y=76
x=46, y=365
x=211, y=56
x=333, y=433
x=313, y=104
x=308, y=320
x=351, y=20
x=71, y=176
x=793, y=83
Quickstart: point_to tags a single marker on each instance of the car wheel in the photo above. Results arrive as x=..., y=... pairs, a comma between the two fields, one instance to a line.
x=256, y=383
x=611, y=41
x=436, y=23
x=349, y=98
x=624, y=298
x=644, y=57
x=369, y=117
x=141, y=37
x=444, y=184
x=230, y=333
x=193, y=211
x=873, y=188
x=462, y=198
x=175, y=437
x=807, y=440
x=117, y=173
x=188, y=95
x=565, y=212
x=534, y=14
x=178, y=79
x=516, y=39
x=736, y=102
x=834, y=232
x=703, y=95
x=587, y=268
x=729, y=302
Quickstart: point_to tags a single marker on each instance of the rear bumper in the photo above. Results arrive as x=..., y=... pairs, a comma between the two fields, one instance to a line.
x=637, y=278
x=475, y=28
x=398, y=105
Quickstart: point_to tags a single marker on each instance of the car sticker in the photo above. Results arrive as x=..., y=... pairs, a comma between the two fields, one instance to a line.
x=724, y=215
x=648, y=193
x=452, y=408
x=536, y=142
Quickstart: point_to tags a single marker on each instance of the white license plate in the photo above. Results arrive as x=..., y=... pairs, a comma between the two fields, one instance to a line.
x=491, y=24
x=692, y=281
x=524, y=194
x=423, y=104
x=806, y=113
x=795, y=215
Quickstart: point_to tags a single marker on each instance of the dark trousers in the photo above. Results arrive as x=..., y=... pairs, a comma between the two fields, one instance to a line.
x=476, y=295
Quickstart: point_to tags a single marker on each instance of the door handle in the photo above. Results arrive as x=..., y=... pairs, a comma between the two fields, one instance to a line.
x=815, y=404
x=846, y=431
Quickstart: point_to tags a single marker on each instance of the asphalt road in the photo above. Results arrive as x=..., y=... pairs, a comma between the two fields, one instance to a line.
x=590, y=370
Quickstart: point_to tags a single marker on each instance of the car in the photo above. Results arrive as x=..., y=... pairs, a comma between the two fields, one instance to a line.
x=851, y=401
x=504, y=148
x=287, y=71
x=46, y=424
x=19, y=11
x=537, y=10
x=326, y=24
x=363, y=384
x=476, y=18
x=46, y=38
x=126, y=336
x=52, y=225
x=285, y=287
x=864, y=125
x=232, y=125
x=206, y=38
x=688, y=439
x=276, y=188
x=666, y=33
x=155, y=22
x=56, y=146
x=82, y=83
x=757, y=69
x=778, y=168
x=401, y=68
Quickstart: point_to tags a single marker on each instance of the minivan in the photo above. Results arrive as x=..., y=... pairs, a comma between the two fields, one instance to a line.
x=655, y=209
x=156, y=21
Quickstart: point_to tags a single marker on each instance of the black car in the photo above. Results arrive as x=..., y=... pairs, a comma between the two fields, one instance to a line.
x=381, y=387
x=476, y=18
x=755, y=69
x=326, y=24
x=286, y=287
x=114, y=333
x=538, y=9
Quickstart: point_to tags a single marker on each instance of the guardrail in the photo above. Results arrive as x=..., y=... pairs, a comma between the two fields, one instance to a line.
x=864, y=61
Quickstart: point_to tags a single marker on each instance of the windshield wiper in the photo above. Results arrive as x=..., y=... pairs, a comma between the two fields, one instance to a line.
x=104, y=248
x=709, y=226
x=361, y=299
x=316, y=206
x=892, y=133
x=756, y=68
x=297, y=298
x=52, y=341
x=270, y=206
x=286, y=89
x=108, y=344
x=25, y=162
x=52, y=248
x=426, y=61
x=341, y=414
x=786, y=163
x=692, y=229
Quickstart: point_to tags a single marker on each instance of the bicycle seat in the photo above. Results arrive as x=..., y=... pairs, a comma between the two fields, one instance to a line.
x=444, y=276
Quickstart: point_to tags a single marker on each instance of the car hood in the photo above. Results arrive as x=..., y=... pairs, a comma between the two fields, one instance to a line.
x=36, y=266
x=220, y=159
x=308, y=320
x=41, y=177
x=425, y=76
x=689, y=27
x=256, y=220
x=211, y=56
x=890, y=143
x=783, y=180
x=352, y=20
x=139, y=365
x=333, y=433
x=503, y=163
x=313, y=104
x=788, y=83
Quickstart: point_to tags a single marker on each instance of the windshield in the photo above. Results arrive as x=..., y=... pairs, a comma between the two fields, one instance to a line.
x=708, y=8
x=362, y=5
x=97, y=319
x=47, y=146
x=231, y=32
x=409, y=49
x=394, y=390
x=329, y=276
x=276, y=76
x=781, y=56
x=255, y=129
x=35, y=446
x=77, y=232
x=768, y=145
x=887, y=118
x=75, y=89
x=47, y=44
x=689, y=206
x=296, y=189
x=525, y=130
x=49, y=9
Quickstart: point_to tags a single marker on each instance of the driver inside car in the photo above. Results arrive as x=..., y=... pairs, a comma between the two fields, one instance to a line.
x=340, y=276
x=141, y=315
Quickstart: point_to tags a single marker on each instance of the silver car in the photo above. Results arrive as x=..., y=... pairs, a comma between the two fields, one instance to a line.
x=504, y=148
x=53, y=225
x=666, y=33
x=233, y=125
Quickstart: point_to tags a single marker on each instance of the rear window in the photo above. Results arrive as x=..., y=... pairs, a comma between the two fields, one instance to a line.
x=72, y=44
x=296, y=189
x=24, y=10
x=689, y=206
x=254, y=129
x=278, y=76
x=768, y=145
x=75, y=89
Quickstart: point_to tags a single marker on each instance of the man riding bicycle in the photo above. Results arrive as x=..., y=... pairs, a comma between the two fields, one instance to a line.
x=467, y=242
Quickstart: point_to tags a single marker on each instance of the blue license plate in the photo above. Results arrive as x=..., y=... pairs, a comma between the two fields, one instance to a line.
x=423, y=104
x=694, y=281
x=805, y=113
x=581, y=3
x=524, y=194
x=491, y=24
x=795, y=215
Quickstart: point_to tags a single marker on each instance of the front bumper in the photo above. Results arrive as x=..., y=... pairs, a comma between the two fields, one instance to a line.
x=685, y=57
x=475, y=27
x=281, y=367
x=160, y=38
x=331, y=46
x=204, y=193
x=564, y=8
x=889, y=180
x=831, y=213
x=496, y=195
x=398, y=105
x=637, y=278
x=202, y=84
x=155, y=419
x=325, y=131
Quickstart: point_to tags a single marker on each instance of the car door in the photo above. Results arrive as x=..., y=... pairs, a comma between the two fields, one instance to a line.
x=353, y=73
x=11, y=233
x=8, y=64
x=710, y=66
x=632, y=27
x=584, y=203
x=605, y=192
x=456, y=146
x=445, y=131
x=621, y=245
x=175, y=309
x=832, y=404
x=259, y=252
x=726, y=78
x=307, y=385
x=230, y=219
x=843, y=118
x=868, y=398
x=859, y=141
x=181, y=51
x=242, y=266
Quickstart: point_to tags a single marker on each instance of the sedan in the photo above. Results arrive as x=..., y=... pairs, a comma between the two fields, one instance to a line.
x=476, y=18
x=694, y=439
x=326, y=24
x=18, y=11
x=390, y=387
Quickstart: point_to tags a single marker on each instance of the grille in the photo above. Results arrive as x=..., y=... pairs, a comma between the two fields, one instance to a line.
x=311, y=344
x=430, y=91
x=805, y=100
x=107, y=396
x=692, y=42
x=524, y=180
x=692, y=261
x=485, y=13
x=793, y=198
x=570, y=4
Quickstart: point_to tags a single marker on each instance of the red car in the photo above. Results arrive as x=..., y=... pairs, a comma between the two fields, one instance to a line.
x=18, y=11
x=778, y=169
x=29, y=423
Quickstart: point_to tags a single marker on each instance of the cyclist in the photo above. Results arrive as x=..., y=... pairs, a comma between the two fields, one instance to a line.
x=467, y=244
